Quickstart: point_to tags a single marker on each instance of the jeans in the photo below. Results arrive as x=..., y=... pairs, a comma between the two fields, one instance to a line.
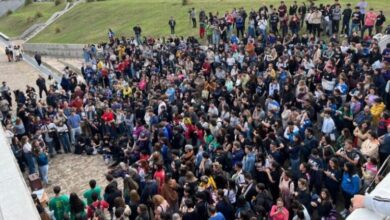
x=295, y=166
x=50, y=145
x=345, y=27
x=369, y=30
x=354, y=27
x=63, y=137
x=73, y=133
x=216, y=38
x=30, y=162
x=43, y=172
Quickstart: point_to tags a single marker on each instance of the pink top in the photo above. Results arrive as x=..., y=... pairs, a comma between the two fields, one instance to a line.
x=370, y=19
x=275, y=214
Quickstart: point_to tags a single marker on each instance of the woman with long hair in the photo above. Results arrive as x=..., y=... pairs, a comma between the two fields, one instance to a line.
x=28, y=155
x=332, y=177
x=350, y=186
x=77, y=207
x=128, y=185
x=168, y=191
x=370, y=147
x=161, y=206
x=119, y=203
x=323, y=204
x=134, y=202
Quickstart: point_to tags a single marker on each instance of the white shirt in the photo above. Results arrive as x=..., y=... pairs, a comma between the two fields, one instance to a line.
x=27, y=147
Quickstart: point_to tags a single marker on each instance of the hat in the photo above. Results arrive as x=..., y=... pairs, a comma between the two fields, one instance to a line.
x=190, y=177
x=204, y=179
x=188, y=147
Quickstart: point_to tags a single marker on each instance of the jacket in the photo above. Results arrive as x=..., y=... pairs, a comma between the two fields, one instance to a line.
x=350, y=184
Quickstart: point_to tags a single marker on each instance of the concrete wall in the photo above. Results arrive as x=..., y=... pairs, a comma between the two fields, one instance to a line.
x=15, y=197
x=55, y=50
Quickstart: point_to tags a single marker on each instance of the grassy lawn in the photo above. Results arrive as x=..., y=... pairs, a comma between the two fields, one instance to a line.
x=14, y=24
x=88, y=22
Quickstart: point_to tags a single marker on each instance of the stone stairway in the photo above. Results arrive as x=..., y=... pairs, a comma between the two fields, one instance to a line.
x=28, y=34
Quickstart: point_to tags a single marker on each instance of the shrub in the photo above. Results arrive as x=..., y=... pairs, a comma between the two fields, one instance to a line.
x=70, y=1
x=57, y=2
x=57, y=30
x=30, y=19
x=100, y=0
x=38, y=14
x=27, y=2
x=90, y=0
x=9, y=12
x=185, y=2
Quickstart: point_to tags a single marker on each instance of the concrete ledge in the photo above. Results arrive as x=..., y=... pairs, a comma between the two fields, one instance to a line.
x=15, y=196
x=5, y=37
x=55, y=50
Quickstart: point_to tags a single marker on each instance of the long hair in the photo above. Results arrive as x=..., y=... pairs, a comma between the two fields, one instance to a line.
x=76, y=205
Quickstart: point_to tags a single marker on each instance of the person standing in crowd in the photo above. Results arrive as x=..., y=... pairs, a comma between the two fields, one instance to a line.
x=93, y=190
x=369, y=22
x=347, y=13
x=75, y=126
x=28, y=155
x=137, y=32
x=172, y=25
x=192, y=14
x=59, y=204
x=41, y=83
x=350, y=186
x=362, y=5
x=38, y=58
x=380, y=20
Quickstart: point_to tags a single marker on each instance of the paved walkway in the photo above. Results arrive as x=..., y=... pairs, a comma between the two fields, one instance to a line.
x=72, y=172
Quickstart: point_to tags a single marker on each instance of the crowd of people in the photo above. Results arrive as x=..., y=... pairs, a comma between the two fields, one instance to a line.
x=263, y=124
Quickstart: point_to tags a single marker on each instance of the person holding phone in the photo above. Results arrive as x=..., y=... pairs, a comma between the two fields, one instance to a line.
x=278, y=211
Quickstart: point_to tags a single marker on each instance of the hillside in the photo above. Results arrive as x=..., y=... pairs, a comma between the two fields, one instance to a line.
x=89, y=22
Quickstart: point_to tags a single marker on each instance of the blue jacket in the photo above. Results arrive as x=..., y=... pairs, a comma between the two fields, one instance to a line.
x=350, y=185
x=249, y=163
x=237, y=156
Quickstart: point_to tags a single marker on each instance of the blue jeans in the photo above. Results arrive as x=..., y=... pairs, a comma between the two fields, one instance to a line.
x=73, y=133
x=43, y=173
x=30, y=162
x=64, y=140
x=354, y=27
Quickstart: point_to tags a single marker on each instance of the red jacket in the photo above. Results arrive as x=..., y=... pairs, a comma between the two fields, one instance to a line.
x=108, y=116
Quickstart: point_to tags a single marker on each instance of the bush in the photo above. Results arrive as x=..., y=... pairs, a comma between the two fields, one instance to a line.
x=70, y=1
x=100, y=0
x=90, y=0
x=185, y=2
x=57, y=2
x=27, y=2
x=57, y=30
x=9, y=12
x=38, y=14
x=30, y=19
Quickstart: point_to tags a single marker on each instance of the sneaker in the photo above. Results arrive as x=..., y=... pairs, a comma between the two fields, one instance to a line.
x=344, y=212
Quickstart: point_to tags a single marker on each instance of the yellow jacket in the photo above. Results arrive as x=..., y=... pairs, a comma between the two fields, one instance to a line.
x=376, y=111
x=127, y=92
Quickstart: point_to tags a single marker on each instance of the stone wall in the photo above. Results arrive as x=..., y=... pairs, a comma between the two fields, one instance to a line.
x=55, y=50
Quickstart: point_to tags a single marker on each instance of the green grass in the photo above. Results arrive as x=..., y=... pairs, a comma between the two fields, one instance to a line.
x=89, y=22
x=19, y=21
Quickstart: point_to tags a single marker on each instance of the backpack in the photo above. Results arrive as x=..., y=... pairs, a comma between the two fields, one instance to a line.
x=97, y=212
